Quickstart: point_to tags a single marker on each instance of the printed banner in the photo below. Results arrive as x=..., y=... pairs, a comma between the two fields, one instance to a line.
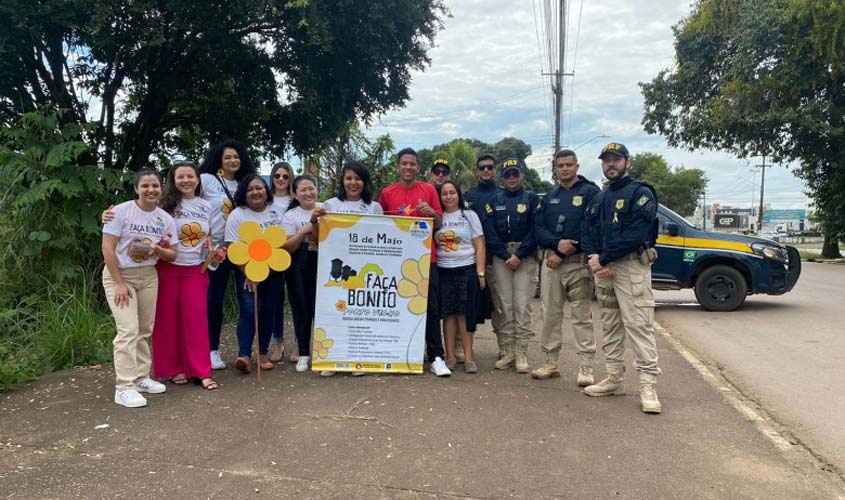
x=372, y=293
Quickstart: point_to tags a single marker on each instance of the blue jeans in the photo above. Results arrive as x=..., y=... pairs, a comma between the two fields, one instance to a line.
x=279, y=317
x=269, y=293
x=218, y=280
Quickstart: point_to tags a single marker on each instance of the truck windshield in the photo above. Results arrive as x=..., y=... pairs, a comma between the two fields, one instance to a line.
x=679, y=218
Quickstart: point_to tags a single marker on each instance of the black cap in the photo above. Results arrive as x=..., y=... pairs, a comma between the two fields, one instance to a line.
x=511, y=164
x=441, y=162
x=614, y=148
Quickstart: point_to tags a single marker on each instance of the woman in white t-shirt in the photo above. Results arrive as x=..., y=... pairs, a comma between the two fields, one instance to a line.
x=140, y=234
x=355, y=192
x=300, y=224
x=225, y=165
x=281, y=176
x=460, y=262
x=254, y=202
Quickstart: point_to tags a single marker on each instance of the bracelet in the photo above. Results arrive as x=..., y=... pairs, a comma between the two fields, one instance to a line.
x=480, y=275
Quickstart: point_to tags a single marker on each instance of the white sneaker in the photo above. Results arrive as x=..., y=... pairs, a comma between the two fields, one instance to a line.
x=302, y=364
x=327, y=373
x=358, y=374
x=439, y=368
x=217, y=361
x=149, y=385
x=129, y=398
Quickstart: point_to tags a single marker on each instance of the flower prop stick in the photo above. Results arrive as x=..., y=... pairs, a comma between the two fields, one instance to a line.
x=257, y=252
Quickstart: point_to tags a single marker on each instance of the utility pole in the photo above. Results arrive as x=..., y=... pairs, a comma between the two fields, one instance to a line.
x=558, y=87
x=704, y=210
x=762, y=187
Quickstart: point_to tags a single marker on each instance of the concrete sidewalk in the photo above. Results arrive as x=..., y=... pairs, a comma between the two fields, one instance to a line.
x=295, y=435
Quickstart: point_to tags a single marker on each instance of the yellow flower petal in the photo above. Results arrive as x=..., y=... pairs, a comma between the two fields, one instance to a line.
x=319, y=334
x=328, y=343
x=406, y=288
x=238, y=253
x=422, y=288
x=248, y=231
x=424, y=265
x=279, y=260
x=418, y=305
x=276, y=236
x=411, y=270
x=195, y=227
x=257, y=271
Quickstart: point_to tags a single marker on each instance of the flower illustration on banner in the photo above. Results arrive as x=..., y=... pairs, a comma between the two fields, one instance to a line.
x=448, y=241
x=320, y=344
x=191, y=235
x=414, y=283
x=259, y=251
x=340, y=305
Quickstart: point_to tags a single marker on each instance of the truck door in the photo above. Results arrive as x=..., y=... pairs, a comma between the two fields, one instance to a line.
x=669, y=266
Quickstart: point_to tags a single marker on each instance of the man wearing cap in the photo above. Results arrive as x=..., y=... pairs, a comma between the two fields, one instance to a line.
x=508, y=229
x=618, y=235
x=565, y=276
x=439, y=173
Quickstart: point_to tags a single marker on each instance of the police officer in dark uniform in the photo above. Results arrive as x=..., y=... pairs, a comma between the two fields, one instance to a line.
x=618, y=235
x=565, y=276
x=508, y=228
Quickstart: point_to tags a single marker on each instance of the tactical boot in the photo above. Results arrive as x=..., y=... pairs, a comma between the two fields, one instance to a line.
x=503, y=347
x=548, y=370
x=585, y=375
x=508, y=352
x=522, y=358
x=648, y=398
x=612, y=385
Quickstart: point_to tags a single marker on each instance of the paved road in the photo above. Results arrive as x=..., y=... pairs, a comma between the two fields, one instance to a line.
x=787, y=352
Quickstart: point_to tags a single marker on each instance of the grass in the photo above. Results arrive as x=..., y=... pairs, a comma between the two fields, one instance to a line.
x=807, y=255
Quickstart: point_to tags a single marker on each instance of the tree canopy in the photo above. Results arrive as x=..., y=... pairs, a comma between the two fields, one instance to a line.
x=679, y=189
x=762, y=77
x=154, y=77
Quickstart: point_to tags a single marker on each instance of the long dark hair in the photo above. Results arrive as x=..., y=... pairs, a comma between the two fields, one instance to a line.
x=458, y=190
x=362, y=172
x=299, y=178
x=289, y=169
x=243, y=185
x=172, y=196
x=213, y=161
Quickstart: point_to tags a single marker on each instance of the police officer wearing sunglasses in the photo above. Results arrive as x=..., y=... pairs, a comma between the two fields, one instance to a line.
x=565, y=276
x=508, y=228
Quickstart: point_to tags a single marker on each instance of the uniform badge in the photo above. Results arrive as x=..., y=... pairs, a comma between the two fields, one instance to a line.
x=642, y=201
x=577, y=201
x=488, y=208
x=521, y=208
x=620, y=204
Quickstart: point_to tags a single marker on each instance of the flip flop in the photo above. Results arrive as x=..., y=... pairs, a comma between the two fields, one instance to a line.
x=277, y=352
x=179, y=379
x=208, y=384
x=264, y=364
x=242, y=365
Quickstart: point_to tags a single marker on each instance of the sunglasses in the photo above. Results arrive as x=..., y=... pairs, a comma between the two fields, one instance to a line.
x=487, y=167
x=510, y=175
x=281, y=176
x=184, y=163
x=440, y=171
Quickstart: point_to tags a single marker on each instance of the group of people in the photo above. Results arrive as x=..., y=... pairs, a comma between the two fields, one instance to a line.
x=166, y=272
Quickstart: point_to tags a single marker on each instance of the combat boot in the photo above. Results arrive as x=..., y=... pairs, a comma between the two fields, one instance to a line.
x=648, y=398
x=585, y=375
x=508, y=352
x=548, y=370
x=522, y=358
x=612, y=385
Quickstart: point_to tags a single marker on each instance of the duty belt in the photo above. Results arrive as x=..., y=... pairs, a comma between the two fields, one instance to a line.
x=513, y=246
x=578, y=258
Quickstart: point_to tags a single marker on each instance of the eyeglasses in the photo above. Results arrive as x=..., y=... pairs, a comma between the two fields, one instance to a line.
x=439, y=171
x=510, y=174
x=281, y=176
x=486, y=167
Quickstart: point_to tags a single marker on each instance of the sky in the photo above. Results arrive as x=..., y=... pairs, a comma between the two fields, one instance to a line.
x=485, y=82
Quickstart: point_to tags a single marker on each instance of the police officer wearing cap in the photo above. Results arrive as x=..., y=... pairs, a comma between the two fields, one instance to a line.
x=440, y=172
x=565, y=276
x=508, y=228
x=618, y=235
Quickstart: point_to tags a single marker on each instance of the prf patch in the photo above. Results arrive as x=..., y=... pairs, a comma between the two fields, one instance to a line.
x=620, y=204
x=521, y=208
x=642, y=201
x=577, y=201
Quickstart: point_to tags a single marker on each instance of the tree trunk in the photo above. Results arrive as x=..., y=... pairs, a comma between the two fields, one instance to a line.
x=830, y=249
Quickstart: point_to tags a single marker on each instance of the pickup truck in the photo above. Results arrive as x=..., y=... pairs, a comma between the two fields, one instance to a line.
x=722, y=268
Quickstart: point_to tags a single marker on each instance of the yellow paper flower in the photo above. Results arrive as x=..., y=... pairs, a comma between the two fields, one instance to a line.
x=137, y=258
x=340, y=305
x=259, y=251
x=191, y=235
x=226, y=208
x=320, y=344
x=414, y=283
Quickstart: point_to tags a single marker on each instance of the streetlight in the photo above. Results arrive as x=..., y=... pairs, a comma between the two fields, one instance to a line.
x=602, y=136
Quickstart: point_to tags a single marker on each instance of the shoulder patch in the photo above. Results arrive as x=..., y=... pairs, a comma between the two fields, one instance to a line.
x=642, y=201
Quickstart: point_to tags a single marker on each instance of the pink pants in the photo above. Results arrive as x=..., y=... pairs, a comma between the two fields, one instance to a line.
x=180, y=333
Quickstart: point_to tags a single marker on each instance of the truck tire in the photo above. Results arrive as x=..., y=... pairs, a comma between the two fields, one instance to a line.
x=720, y=288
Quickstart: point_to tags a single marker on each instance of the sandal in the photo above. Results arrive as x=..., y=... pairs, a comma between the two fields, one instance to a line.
x=263, y=363
x=294, y=356
x=242, y=364
x=208, y=384
x=277, y=352
x=179, y=379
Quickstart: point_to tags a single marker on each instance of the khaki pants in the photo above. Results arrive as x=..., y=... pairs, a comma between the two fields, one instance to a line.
x=134, y=322
x=495, y=316
x=512, y=296
x=572, y=282
x=627, y=312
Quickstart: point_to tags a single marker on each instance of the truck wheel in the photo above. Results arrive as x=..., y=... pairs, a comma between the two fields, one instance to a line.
x=720, y=288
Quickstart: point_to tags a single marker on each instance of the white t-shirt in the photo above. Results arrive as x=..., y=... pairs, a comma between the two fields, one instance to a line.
x=352, y=207
x=281, y=202
x=270, y=216
x=130, y=223
x=192, y=218
x=454, y=238
x=293, y=221
x=220, y=203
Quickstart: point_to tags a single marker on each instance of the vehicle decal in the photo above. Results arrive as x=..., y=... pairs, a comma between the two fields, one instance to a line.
x=704, y=244
x=689, y=255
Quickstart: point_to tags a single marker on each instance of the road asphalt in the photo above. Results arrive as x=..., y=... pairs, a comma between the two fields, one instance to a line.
x=493, y=435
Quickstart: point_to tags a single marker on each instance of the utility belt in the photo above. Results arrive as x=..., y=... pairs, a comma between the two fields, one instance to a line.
x=513, y=246
x=646, y=256
x=575, y=258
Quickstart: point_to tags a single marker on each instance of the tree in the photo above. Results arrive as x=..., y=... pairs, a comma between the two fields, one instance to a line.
x=759, y=77
x=155, y=77
x=679, y=188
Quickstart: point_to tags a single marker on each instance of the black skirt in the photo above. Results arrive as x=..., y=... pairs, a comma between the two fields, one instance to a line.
x=460, y=294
